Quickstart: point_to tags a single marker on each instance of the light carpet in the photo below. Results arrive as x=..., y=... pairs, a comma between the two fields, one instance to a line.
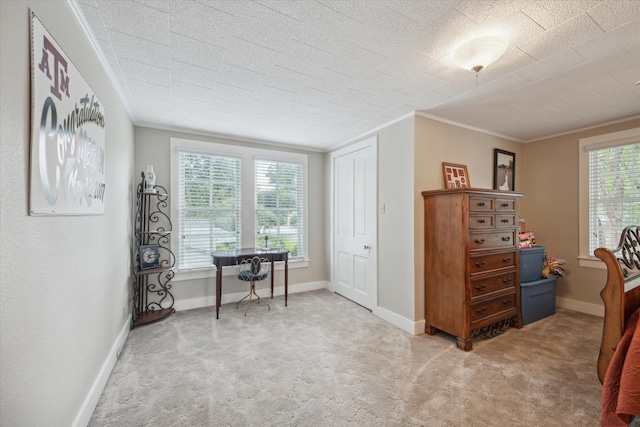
x=325, y=361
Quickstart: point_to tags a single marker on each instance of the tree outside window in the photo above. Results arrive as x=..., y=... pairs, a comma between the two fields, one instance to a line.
x=279, y=201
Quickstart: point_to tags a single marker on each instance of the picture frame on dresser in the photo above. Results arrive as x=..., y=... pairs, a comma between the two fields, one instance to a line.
x=455, y=175
x=504, y=170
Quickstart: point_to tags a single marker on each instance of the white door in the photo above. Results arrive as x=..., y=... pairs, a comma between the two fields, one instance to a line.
x=355, y=269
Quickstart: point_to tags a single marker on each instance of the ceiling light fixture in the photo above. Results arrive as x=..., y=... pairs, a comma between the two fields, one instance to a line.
x=477, y=54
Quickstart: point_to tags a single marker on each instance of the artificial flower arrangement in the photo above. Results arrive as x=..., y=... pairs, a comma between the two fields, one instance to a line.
x=551, y=267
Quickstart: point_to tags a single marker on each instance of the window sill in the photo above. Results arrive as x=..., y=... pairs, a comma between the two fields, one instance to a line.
x=591, y=262
x=210, y=273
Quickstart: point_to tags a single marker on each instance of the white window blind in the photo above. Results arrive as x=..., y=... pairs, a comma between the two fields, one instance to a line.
x=208, y=207
x=279, y=205
x=614, y=193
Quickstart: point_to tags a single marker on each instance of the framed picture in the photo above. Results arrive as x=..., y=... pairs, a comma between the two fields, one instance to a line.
x=455, y=176
x=149, y=257
x=504, y=170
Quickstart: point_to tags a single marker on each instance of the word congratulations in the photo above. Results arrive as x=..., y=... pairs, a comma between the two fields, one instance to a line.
x=70, y=161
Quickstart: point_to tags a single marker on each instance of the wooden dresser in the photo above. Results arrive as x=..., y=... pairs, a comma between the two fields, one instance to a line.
x=471, y=261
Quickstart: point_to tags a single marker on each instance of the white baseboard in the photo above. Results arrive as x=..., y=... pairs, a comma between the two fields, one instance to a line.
x=409, y=326
x=417, y=328
x=210, y=300
x=189, y=304
x=90, y=402
x=581, y=306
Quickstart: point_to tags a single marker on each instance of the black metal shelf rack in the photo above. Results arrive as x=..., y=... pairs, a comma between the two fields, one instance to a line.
x=152, y=297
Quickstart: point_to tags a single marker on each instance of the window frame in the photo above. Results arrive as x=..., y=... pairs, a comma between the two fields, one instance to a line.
x=248, y=156
x=585, y=145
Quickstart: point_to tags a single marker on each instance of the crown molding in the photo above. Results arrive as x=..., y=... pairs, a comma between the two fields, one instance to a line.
x=95, y=46
x=613, y=122
x=370, y=132
x=465, y=126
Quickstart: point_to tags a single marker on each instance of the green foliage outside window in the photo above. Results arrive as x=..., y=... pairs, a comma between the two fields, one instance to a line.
x=279, y=204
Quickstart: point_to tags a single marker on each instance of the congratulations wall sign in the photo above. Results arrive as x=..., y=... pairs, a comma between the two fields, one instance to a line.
x=67, y=133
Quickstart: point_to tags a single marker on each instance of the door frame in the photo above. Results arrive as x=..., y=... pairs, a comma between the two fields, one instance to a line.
x=371, y=141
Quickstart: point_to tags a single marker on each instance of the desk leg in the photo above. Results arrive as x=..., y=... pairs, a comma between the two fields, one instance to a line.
x=272, y=274
x=286, y=281
x=218, y=289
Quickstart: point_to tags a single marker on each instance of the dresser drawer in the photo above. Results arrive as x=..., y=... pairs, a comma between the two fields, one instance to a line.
x=487, y=285
x=498, y=239
x=487, y=308
x=482, y=263
x=506, y=204
x=481, y=204
x=505, y=220
x=481, y=221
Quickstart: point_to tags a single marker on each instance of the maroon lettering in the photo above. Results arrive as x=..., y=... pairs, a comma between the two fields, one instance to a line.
x=44, y=64
x=61, y=79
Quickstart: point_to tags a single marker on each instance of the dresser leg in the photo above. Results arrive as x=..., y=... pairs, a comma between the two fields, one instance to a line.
x=429, y=330
x=465, y=345
x=518, y=323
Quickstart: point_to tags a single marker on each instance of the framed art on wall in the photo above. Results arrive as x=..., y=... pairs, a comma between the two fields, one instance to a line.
x=455, y=176
x=504, y=170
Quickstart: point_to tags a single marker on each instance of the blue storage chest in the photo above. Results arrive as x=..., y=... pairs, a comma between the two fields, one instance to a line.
x=538, y=299
x=531, y=263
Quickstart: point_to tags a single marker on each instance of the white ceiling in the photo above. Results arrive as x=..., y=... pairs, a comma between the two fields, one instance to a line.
x=319, y=74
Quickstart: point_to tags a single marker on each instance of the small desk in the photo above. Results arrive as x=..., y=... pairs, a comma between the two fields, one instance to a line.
x=235, y=256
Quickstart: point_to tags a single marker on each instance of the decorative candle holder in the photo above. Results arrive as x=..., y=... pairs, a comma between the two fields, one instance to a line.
x=150, y=180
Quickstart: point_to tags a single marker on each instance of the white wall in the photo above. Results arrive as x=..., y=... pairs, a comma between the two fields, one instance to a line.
x=395, y=225
x=152, y=146
x=65, y=280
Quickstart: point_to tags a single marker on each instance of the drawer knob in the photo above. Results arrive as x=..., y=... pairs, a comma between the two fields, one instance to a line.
x=506, y=281
x=507, y=302
x=481, y=204
x=506, y=260
x=479, y=241
x=480, y=264
x=505, y=205
x=504, y=220
x=481, y=221
x=506, y=239
x=480, y=288
x=482, y=310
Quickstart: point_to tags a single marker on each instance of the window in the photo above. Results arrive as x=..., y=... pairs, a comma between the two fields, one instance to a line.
x=227, y=196
x=614, y=193
x=209, y=201
x=610, y=189
x=280, y=205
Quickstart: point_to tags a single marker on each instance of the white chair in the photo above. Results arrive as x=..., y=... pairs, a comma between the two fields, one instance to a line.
x=252, y=270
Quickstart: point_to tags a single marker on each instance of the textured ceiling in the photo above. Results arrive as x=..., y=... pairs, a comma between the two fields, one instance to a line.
x=319, y=74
